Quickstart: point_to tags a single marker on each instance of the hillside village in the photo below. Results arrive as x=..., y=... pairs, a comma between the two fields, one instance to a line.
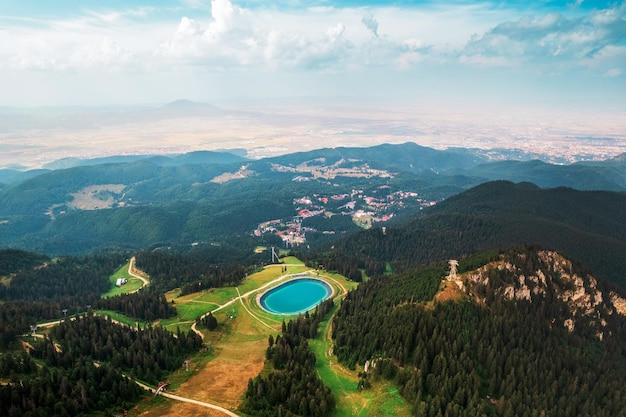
x=365, y=211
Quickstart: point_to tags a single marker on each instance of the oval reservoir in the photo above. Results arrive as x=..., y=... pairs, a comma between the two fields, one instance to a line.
x=295, y=296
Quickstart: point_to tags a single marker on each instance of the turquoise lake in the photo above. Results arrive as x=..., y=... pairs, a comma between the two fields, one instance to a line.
x=296, y=296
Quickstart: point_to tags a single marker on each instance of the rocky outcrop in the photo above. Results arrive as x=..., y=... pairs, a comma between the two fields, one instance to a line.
x=535, y=276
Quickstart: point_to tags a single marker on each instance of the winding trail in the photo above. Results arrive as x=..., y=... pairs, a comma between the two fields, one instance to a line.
x=131, y=269
x=240, y=297
x=252, y=315
x=187, y=400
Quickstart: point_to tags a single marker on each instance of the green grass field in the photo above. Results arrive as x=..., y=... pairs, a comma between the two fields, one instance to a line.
x=129, y=321
x=133, y=283
x=245, y=326
x=381, y=400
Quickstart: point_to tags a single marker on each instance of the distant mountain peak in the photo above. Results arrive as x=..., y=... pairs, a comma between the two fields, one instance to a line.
x=180, y=102
x=184, y=104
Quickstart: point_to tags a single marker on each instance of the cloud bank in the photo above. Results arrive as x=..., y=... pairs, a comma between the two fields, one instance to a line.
x=210, y=41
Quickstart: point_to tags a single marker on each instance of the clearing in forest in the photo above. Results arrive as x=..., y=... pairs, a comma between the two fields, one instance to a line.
x=235, y=352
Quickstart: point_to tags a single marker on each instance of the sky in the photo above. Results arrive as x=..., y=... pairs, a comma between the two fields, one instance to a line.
x=558, y=53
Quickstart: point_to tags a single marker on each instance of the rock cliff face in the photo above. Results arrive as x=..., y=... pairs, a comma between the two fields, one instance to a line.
x=541, y=275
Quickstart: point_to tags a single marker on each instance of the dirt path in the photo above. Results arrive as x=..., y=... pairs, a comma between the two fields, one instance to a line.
x=240, y=296
x=240, y=355
x=250, y=312
x=196, y=331
x=189, y=400
x=131, y=272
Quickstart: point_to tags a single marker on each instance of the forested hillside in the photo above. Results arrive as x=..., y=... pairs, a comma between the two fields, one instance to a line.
x=75, y=367
x=610, y=176
x=42, y=289
x=585, y=225
x=14, y=260
x=134, y=202
x=290, y=386
x=508, y=340
x=211, y=267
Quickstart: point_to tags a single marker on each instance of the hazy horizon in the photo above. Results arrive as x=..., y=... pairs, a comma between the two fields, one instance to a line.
x=561, y=53
x=355, y=73
x=32, y=138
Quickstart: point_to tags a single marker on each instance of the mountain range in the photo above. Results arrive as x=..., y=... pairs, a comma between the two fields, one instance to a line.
x=486, y=287
x=589, y=226
x=219, y=197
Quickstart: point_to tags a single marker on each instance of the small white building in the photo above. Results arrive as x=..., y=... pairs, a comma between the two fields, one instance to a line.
x=120, y=282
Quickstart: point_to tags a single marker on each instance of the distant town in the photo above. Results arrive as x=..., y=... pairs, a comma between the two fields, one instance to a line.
x=365, y=211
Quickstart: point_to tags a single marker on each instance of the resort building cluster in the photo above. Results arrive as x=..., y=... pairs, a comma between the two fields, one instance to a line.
x=365, y=210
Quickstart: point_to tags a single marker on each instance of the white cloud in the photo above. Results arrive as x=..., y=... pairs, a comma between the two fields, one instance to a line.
x=613, y=72
x=294, y=50
x=108, y=54
x=223, y=39
x=371, y=23
x=235, y=37
x=227, y=40
x=551, y=39
x=607, y=62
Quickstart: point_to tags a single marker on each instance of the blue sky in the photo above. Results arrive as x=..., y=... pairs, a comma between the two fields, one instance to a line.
x=555, y=53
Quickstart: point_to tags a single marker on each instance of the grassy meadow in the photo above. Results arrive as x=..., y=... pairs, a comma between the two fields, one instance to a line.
x=133, y=283
x=235, y=352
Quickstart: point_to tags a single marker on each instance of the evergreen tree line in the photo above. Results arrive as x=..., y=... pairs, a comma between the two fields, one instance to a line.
x=143, y=305
x=44, y=291
x=506, y=358
x=15, y=260
x=192, y=272
x=292, y=387
x=148, y=353
x=16, y=317
x=70, y=280
x=62, y=392
x=343, y=264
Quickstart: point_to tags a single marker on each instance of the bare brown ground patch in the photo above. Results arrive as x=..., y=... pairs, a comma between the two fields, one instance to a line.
x=223, y=380
x=449, y=291
x=181, y=409
x=243, y=172
x=96, y=197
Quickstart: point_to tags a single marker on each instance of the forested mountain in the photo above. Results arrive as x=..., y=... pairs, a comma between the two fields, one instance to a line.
x=589, y=226
x=79, y=369
x=609, y=176
x=197, y=157
x=64, y=380
x=13, y=176
x=218, y=197
x=526, y=333
x=14, y=260
x=34, y=288
x=408, y=157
